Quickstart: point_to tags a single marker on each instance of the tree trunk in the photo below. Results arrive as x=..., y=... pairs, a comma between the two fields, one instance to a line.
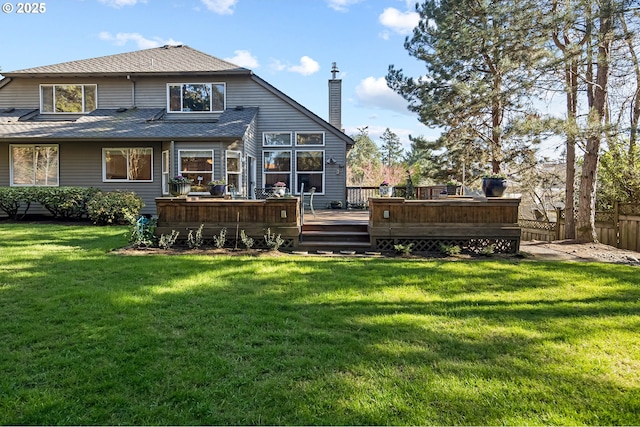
x=572, y=110
x=586, y=229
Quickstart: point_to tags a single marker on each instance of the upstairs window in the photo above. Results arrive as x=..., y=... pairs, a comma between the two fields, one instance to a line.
x=61, y=98
x=195, y=97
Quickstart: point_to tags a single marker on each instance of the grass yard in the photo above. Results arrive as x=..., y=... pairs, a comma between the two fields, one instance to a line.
x=90, y=337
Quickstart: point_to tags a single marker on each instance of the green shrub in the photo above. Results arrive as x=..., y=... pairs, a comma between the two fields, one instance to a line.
x=11, y=199
x=247, y=241
x=220, y=239
x=142, y=231
x=450, y=249
x=273, y=241
x=114, y=207
x=195, y=240
x=403, y=249
x=488, y=250
x=65, y=202
x=167, y=241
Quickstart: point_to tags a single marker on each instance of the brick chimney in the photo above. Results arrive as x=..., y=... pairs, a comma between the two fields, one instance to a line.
x=335, y=98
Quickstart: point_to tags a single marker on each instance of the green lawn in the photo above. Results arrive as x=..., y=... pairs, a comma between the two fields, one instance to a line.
x=90, y=337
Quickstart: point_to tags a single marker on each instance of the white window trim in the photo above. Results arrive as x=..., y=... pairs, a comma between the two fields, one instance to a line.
x=104, y=165
x=307, y=145
x=165, y=172
x=11, y=184
x=264, y=139
x=213, y=164
x=240, y=173
x=224, y=96
x=291, y=166
x=84, y=108
x=323, y=172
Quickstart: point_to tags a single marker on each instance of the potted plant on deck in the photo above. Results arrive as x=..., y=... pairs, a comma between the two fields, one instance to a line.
x=216, y=187
x=452, y=187
x=180, y=186
x=386, y=190
x=494, y=185
x=279, y=189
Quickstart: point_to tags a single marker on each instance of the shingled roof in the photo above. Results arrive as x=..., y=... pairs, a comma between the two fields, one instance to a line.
x=164, y=60
x=128, y=124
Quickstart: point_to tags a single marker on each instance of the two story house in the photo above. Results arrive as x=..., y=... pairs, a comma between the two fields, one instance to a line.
x=132, y=121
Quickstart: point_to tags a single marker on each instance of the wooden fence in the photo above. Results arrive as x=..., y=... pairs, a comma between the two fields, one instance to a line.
x=619, y=228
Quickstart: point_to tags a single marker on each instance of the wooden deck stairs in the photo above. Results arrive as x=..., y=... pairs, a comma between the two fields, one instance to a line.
x=335, y=230
x=340, y=237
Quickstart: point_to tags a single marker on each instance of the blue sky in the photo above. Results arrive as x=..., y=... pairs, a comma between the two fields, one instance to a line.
x=289, y=43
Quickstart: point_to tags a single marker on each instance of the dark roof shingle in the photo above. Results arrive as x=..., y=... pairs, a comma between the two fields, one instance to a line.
x=130, y=124
x=160, y=60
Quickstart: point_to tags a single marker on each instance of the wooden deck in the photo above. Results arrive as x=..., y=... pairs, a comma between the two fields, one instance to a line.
x=471, y=223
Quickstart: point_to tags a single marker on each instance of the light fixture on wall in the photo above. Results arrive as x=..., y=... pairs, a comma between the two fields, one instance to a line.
x=332, y=162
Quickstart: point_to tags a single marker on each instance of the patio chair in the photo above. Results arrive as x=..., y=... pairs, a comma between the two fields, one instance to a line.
x=309, y=203
x=262, y=193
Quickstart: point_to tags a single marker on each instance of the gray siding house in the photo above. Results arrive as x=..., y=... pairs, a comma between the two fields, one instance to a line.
x=132, y=121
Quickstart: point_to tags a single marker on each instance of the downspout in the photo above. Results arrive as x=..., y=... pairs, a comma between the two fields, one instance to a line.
x=133, y=91
x=5, y=81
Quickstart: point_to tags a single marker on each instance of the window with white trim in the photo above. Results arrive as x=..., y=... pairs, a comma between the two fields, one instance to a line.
x=195, y=97
x=67, y=98
x=165, y=172
x=276, y=139
x=127, y=164
x=34, y=165
x=310, y=138
x=276, y=168
x=197, y=165
x=234, y=169
x=310, y=170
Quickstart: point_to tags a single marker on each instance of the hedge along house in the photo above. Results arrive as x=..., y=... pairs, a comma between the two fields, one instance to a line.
x=132, y=121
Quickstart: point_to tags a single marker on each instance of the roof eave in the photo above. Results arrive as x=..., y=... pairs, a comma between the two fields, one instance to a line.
x=237, y=72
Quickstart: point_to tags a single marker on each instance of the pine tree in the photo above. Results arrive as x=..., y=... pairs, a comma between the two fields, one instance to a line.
x=391, y=148
x=364, y=166
x=479, y=59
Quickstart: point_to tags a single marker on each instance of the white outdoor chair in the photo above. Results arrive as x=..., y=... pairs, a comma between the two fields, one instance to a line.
x=303, y=203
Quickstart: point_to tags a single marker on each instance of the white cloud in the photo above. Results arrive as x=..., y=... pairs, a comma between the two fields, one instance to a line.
x=277, y=65
x=120, y=3
x=121, y=39
x=307, y=67
x=341, y=5
x=221, y=7
x=374, y=92
x=399, y=22
x=244, y=58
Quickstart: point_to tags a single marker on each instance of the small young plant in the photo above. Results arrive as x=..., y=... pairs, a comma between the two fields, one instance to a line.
x=404, y=250
x=195, y=240
x=273, y=241
x=168, y=240
x=142, y=231
x=488, y=250
x=220, y=239
x=450, y=249
x=247, y=241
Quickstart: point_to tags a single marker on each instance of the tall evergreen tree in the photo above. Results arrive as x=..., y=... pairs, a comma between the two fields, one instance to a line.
x=364, y=165
x=479, y=60
x=391, y=148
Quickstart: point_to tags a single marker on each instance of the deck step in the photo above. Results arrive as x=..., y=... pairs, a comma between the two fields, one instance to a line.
x=335, y=236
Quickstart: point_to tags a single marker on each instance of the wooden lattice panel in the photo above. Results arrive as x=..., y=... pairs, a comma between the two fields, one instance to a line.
x=473, y=246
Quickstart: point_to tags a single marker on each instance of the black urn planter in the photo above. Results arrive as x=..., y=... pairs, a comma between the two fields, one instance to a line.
x=217, y=190
x=494, y=187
